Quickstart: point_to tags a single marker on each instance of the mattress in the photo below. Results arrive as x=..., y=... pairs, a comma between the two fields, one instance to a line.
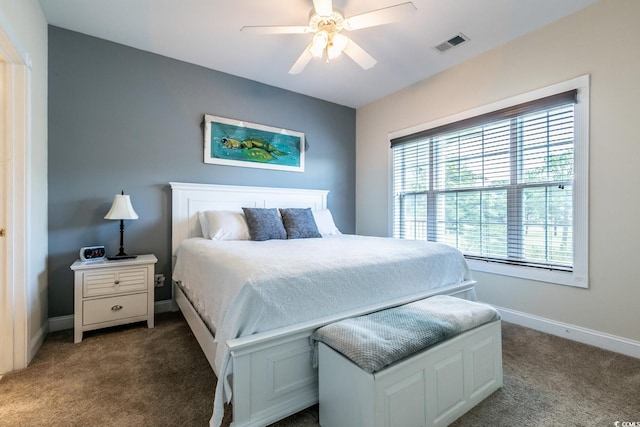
x=243, y=287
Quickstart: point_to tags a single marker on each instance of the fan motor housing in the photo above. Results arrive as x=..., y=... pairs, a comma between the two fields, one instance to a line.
x=333, y=22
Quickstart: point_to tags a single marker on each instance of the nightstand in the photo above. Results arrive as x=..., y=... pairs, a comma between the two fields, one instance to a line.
x=109, y=293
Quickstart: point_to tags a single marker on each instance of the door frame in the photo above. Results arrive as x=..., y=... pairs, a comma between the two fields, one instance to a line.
x=15, y=143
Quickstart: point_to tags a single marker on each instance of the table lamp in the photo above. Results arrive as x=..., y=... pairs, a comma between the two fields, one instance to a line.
x=121, y=209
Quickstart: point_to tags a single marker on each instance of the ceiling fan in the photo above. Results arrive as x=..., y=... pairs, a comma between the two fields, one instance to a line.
x=326, y=25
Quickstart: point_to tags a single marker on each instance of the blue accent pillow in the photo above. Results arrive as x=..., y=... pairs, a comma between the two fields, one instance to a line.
x=299, y=223
x=264, y=224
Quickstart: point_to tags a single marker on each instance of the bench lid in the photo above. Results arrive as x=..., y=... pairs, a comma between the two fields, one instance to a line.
x=379, y=339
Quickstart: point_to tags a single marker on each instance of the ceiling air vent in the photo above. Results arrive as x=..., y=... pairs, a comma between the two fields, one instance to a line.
x=452, y=42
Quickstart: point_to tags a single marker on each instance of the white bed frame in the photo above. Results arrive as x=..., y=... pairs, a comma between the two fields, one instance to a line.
x=272, y=373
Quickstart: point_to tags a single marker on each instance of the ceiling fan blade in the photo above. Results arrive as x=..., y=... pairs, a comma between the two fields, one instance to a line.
x=302, y=61
x=323, y=7
x=276, y=29
x=380, y=16
x=359, y=55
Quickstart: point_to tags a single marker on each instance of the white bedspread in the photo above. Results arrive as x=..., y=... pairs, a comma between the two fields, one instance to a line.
x=244, y=287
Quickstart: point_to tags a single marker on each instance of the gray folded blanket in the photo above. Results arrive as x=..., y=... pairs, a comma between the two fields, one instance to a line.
x=379, y=339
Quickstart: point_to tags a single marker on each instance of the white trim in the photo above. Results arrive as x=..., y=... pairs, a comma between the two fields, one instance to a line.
x=580, y=275
x=572, y=332
x=61, y=323
x=565, y=330
x=530, y=273
x=38, y=338
x=390, y=194
x=15, y=139
x=581, y=184
x=6, y=291
x=165, y=306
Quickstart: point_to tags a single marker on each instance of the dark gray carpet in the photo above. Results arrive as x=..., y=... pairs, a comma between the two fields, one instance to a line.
x=134, y=376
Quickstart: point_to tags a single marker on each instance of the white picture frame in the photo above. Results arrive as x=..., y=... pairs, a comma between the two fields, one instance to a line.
x=234, y=142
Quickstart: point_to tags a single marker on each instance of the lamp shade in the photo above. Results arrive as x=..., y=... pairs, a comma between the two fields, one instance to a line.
x=121, y=208
x=319, y=43
x=336, y=45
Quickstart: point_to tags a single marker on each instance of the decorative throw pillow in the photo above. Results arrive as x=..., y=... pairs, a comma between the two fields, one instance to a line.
x=299, y=223
x=264, y=223
x=324, y=221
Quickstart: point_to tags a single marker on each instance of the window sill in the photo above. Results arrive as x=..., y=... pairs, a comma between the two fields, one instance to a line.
x=530, y=273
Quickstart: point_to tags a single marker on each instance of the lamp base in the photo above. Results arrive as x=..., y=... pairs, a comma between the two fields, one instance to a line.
x=117, y=257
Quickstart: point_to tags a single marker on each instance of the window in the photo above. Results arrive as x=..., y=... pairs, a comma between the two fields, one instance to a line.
x=504, y=184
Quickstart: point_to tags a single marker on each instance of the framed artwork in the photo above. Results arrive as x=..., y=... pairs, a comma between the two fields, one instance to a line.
x=237, y=143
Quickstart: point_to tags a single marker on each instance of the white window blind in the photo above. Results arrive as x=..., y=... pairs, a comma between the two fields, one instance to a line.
x=498, y=186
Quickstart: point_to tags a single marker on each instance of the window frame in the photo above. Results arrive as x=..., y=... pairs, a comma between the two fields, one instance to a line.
x=579, y=276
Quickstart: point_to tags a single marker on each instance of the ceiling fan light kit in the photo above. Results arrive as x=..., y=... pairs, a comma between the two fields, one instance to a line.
x=328, y=39
x=326, y=25
x=336, y=45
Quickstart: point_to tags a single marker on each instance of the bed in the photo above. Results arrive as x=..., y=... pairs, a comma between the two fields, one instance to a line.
x=254, y=327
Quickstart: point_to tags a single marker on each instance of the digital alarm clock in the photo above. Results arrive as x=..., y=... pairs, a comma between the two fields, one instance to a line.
x=92, y=253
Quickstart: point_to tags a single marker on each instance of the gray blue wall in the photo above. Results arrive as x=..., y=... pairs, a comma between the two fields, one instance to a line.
x=125, y=119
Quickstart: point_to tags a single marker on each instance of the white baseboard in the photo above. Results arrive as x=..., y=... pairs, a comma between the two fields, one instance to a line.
x=60, y=323
x=572, y=332
x=553, y=327
x=37, y=340
x=165, y=305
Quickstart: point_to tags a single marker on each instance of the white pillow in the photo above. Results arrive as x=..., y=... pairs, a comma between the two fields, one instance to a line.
x=227, y=225
x=324, y=221
x=204, y=224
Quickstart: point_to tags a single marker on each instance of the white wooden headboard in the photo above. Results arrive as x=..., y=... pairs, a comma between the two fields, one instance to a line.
x=189, y=199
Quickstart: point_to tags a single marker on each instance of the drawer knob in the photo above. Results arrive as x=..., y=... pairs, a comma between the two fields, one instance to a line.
x=117, y=282
x=116, y=307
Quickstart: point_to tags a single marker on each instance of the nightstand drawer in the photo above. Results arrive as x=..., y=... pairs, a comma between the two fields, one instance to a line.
x=114, y=308
x=105, y=282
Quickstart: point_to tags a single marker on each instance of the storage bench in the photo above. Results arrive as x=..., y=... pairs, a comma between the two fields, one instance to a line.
x=421, y=364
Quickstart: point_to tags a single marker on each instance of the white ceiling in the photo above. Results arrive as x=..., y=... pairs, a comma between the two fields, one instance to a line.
x=207, y=33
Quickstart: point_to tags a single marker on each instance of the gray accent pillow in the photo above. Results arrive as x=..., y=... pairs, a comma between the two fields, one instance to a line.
x=299, y=223
x=264, y=224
